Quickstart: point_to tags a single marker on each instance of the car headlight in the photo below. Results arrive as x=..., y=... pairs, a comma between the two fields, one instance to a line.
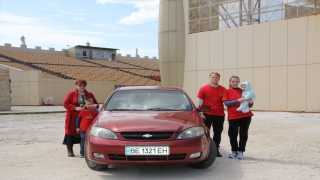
x=103, y=133
x=191, y=132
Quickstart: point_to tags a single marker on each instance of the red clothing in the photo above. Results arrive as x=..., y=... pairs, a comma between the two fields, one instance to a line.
x=212, y=96
x=70, y=103
x=86, y=119
x=230, y=95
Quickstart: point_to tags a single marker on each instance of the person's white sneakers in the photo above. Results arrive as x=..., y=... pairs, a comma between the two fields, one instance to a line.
x=240, y=155
x=233, y=155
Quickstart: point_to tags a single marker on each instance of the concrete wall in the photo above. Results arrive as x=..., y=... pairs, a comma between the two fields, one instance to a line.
x=28, y=88
x=281, y=59
x=37, y=49
x=5, y=104
x=171, y=40
x=136, y=58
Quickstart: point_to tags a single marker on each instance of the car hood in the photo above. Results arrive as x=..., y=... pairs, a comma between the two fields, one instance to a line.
x=145, y=121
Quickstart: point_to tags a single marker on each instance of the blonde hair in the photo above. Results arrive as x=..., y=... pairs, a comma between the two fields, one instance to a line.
x=216, y=73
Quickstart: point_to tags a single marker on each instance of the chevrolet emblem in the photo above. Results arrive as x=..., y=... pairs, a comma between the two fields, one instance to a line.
x=147, y=135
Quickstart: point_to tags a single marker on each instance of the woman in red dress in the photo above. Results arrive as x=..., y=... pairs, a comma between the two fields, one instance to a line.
x=72, y=104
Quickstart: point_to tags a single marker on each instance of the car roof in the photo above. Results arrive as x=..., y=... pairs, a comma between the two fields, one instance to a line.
x=148, y=87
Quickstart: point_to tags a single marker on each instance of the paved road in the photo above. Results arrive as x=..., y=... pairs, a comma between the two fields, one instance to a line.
x=280, y=146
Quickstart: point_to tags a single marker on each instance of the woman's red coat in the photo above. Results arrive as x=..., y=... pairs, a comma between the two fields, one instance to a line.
x=70, y=103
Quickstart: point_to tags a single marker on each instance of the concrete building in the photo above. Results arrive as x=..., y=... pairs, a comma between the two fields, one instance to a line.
x=273, y=44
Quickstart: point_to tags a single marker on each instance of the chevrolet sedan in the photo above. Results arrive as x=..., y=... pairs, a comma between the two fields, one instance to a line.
x=149, y=125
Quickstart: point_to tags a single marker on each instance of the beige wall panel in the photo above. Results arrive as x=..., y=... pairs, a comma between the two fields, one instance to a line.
x=278, y=43
x=245, y=46
x=227, y=73
x=190, y=79
x=14, y=75
x=261, y=43
x=108, y=88
x=50, y=89
x=180, y=72
x=172, y=46
x=34, y=93
x=230, y=48
x=180, y=46
x=261, y=86
x=313, y=88
x=58, y=96
x=180, y=17
x=191, y=53
x=203, y=51
x=159, y=46
x=216, y=49
x=65, y=90
x=14, y=101
x=164, y=24
x=15, y=91
x=278, y=88
x=297, y=41
x=24, y=76
x=165, y=72
x=42, y=90
x=313, y=39
x=172, y=19
x=172, y=66
x=96, y=89
x=297, y=87
x=165, y=47
x=202, y=79
x=25, y=93
x=34, y=75
x=186, y=15
x=245, y=75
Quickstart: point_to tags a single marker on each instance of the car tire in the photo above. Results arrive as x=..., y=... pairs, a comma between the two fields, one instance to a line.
x=95, y=166
x=209, y=160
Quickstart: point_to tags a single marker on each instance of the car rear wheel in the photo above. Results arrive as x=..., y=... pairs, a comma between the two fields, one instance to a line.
x=95, y=166
x=209, y=160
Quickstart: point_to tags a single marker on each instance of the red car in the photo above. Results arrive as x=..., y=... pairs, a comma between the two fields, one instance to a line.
x=149, y=125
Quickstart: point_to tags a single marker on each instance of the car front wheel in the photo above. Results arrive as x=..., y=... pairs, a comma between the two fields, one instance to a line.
x=209, y=160
x=95, y=166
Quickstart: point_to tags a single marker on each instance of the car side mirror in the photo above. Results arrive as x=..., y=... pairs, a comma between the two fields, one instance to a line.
x=203, y=108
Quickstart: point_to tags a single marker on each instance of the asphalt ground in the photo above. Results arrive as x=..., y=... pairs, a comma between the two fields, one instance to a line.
x=281, y=145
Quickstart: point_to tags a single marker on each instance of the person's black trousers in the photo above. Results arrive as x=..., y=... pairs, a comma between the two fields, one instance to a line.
x=241, y=127
x=217, y=124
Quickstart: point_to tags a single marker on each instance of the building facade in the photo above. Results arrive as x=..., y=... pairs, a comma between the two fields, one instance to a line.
x=275, y=45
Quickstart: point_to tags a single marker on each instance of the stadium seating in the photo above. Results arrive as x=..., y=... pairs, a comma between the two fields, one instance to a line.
x=128, y=72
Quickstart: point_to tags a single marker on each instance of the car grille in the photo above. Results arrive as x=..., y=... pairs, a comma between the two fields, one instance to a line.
x=123, y=157
x=147, y=135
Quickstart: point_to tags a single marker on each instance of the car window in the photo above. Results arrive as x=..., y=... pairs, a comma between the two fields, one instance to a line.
x=149, y=100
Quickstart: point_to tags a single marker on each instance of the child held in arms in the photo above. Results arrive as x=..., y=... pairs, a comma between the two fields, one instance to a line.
x=83, y=121
x=247, y=93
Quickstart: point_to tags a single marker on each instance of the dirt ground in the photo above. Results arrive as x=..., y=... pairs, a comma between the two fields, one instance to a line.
x=281, y=145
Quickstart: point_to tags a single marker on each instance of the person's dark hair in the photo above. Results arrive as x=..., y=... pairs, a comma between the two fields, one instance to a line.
x=233, y=76
x=81, y=81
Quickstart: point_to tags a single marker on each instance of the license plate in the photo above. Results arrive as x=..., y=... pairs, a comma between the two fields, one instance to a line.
x=147, y=150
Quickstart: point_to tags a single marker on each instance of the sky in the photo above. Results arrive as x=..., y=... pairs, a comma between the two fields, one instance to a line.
x=120, y=24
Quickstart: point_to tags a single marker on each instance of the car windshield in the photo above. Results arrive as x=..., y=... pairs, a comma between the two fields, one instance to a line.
x=148, y=100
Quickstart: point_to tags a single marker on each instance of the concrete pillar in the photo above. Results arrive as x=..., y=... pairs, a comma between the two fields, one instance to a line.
x=171, y=39
x=5, y=104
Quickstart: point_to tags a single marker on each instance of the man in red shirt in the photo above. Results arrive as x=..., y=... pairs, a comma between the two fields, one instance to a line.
x=84, y=120
x=211, y=94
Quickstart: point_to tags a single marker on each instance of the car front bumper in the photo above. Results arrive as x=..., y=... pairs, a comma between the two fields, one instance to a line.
x=114, y=151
